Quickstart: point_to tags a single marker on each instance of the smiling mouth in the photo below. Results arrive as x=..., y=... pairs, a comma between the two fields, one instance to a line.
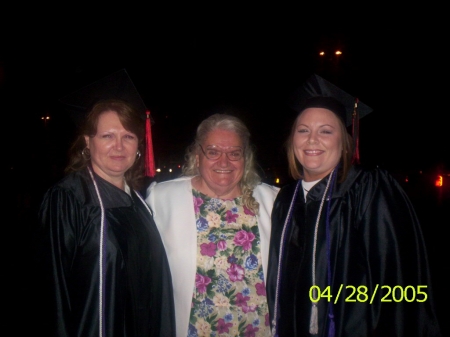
x=222, y=171
x=313, y=152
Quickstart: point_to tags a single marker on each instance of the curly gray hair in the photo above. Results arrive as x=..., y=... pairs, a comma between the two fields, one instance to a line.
x=224, y=121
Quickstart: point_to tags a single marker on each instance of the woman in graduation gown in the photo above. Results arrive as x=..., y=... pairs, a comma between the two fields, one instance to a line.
x=347, y=255
x=104, y=265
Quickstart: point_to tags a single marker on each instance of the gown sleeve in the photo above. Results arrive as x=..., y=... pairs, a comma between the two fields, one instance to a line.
x=397, y=260
x=278, y=217
x=55, y=248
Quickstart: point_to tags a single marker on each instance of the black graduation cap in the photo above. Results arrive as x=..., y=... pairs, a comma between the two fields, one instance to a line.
x=320, y=93
x=117, y=85
x=316, y=86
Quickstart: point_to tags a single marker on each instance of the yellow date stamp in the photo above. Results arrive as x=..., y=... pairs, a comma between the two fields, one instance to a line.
x=361, y=294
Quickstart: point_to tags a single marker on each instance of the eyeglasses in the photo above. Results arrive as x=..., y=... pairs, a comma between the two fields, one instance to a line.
x=212, y=152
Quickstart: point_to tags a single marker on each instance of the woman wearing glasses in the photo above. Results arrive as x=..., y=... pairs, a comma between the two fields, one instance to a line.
x=215, y=224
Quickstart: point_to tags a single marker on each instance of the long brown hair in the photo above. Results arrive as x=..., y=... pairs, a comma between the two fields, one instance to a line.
x=130, y=119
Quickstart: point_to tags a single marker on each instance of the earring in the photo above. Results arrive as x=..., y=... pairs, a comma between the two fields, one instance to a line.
x=138, y=153
x=86, y=153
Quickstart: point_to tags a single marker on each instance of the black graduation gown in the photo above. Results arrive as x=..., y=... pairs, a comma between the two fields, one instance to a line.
x=137, y=294
x=375, y=241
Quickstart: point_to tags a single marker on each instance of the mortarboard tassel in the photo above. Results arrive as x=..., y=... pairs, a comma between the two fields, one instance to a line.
x=355, y=133
x=150, y=170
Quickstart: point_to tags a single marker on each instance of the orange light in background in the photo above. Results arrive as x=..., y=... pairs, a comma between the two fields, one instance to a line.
x=45, y=119
x=338, y=52
x=277, y=181
x=439, y=181
x=322, y=53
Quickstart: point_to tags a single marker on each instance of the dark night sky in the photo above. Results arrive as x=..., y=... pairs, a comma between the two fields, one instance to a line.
x=249, y=59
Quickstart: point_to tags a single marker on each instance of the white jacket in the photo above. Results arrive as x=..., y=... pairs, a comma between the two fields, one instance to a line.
x=173, y=210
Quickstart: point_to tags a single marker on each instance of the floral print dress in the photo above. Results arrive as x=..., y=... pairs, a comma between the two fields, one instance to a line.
x=229, y=298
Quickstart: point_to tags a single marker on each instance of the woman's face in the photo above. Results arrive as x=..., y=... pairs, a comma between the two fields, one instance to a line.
x=317, y=142
x=221, y=175
x=113, y=149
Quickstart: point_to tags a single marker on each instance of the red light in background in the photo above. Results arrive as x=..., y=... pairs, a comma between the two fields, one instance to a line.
x=439, y=181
